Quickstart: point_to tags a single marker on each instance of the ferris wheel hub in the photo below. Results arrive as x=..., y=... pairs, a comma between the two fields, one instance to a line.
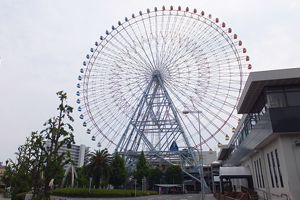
x=156, y=73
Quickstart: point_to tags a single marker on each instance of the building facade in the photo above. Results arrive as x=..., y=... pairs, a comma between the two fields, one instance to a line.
x=78, y=153
x=267, y=139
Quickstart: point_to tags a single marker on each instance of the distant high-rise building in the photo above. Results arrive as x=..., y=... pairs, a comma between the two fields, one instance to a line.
x=78, y=153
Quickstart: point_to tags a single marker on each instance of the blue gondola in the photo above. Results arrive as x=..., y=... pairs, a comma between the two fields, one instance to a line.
x=126, y=19
x=141, y=13
x=106, y=32
x=81, y=70
x=78, y=85
x=88, y=131
x=96, y=43
x=93, y=138
x=78, y=101
x=101, y=38
x=79, y=109
x=148, y=11
x=81, y=116
x=78, y=93
x=112, y=27
x=84, y=124
x=133, y=16
x=84, y=63
x=87, y=56
x=119, y=23
x=79, y=78
x=92, y=50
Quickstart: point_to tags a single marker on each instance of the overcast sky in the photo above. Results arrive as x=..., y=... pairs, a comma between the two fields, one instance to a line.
x=43, y=44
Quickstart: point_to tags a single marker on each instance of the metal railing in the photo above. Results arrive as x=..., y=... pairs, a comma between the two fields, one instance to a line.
x=266, y=195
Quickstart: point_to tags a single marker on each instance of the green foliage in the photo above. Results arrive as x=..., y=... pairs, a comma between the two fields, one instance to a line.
x=84, y=192
x=20, y=196
x=83, y=180
x=99, y=166
x=59, y=133
x=155, y=176
x=23, y=174
x=174, y=174
x=118, y=171
x=142, y=168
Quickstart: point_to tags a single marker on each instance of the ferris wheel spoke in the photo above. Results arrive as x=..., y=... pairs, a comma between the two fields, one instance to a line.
x=200, y=66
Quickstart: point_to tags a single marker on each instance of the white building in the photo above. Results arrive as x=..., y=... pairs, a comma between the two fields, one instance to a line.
x=267, y=139
x=78, y=153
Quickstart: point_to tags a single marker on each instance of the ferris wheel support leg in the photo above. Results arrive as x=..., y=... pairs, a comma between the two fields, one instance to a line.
x=180, y=126
x=122, y=140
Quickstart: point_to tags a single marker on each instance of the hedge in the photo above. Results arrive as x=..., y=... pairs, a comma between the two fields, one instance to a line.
x=84, y=192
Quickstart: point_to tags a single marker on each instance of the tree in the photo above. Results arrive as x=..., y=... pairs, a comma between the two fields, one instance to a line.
x=174, y=174
x=118, y=171
x=142, y=168
x=58, y=133
x=155, y=176
x=25, y=172
x=99, y=166
x=82, y=179
x=33, y=157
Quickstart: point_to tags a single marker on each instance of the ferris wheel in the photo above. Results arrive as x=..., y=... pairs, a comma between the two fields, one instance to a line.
x=149, y=68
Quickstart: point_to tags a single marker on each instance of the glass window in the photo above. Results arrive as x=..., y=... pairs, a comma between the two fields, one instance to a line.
x=270, y=170
x=261, y=173
x=256, y=173
x=276, y=100
x=274, y=169
x=293, y=98
x=275, y=89
x=278, y=167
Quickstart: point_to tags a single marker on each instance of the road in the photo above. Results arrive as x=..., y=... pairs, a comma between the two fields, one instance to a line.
x=153, y=197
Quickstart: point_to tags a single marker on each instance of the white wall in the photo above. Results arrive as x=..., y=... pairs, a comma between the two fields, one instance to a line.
x=289, y=162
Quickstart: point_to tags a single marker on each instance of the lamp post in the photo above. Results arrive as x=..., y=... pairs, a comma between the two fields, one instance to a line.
x=201, y=159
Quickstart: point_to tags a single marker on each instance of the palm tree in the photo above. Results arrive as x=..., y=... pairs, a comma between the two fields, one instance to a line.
x=99, y=166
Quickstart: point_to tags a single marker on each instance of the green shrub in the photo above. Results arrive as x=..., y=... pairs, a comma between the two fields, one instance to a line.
x=84, y=192
x=20, y=196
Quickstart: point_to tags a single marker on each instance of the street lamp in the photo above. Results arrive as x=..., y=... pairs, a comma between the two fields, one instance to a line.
x=201, y=159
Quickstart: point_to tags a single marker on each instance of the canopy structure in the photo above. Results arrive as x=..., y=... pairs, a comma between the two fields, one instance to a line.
x=228, y=173
x=167, y=187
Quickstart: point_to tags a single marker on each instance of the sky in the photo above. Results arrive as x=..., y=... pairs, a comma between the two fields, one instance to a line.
x=43, y=45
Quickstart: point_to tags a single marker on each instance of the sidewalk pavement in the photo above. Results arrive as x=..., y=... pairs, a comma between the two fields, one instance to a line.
x=160, y=197
x=2, y=198
x=208, y=197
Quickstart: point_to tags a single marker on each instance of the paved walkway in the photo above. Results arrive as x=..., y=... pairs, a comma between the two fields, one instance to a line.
x=154, y=197
x=2, y=198
x=159, y=197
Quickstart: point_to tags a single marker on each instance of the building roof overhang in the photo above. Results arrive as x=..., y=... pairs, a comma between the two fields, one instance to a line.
x=258, y=80
x=224, y=152
x=232, y=172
